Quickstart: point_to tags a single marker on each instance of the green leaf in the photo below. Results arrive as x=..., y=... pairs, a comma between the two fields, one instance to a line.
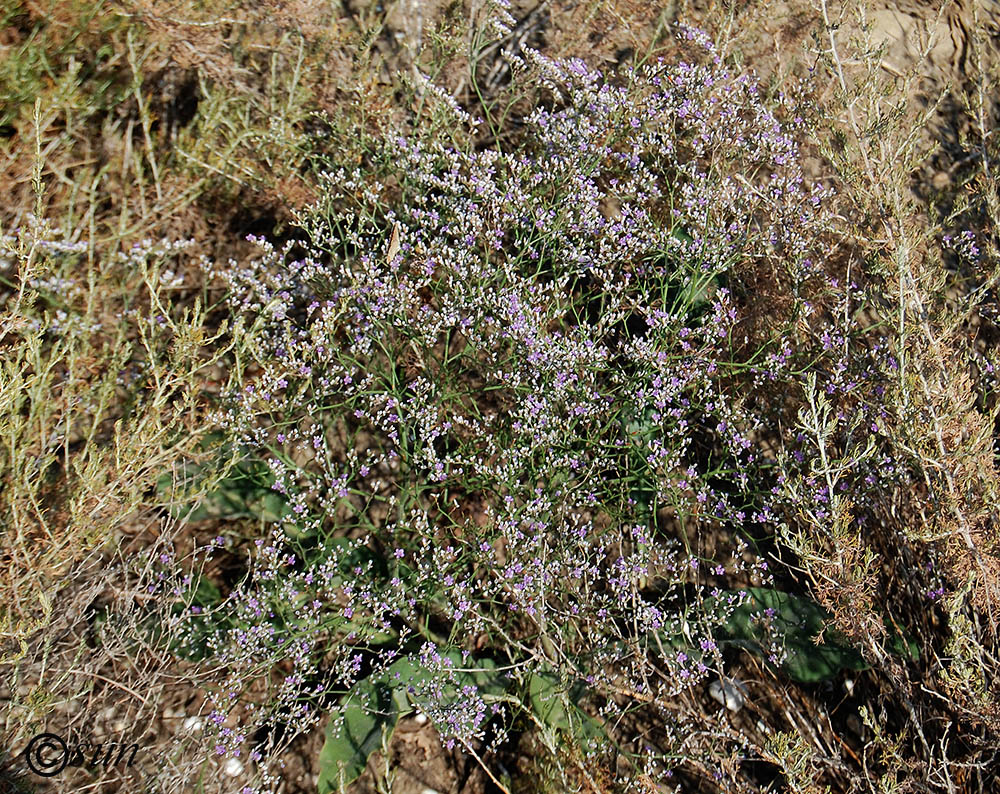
x=207, y=593
x=901, y=642
x=245, y=493
x=485, y=677
x=408, y=672
x=352, y=555
x=373, y=708
x=679, y=233
x=810, y=663
x=796, y=622
x=545, y=696
x=369, y=714
x=559, y=709
x=361, y=629
x=699, y=290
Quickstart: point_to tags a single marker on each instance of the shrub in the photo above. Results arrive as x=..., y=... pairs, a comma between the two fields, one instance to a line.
x=98, y=391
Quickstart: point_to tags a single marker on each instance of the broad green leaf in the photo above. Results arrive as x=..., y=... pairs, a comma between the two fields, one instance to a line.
x=483, y=675
x=362, y=630
x=352, y=555
x=679, y=233
x=796, y=622
x=557, y=708
x=245, y=493
x=407, y=672
x=207, y=593
x=900, y=641
x=546, y=698
x=368, y=714
x=374, y=706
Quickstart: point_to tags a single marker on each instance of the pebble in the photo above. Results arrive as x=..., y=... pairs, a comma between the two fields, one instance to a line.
x=233, y=767
x=729, y=693
x=193, y=724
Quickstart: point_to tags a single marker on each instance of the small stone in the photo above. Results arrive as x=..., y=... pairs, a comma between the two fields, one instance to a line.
x=421, y=719
x=729, y=693
x=233, y=767
x=193, y=724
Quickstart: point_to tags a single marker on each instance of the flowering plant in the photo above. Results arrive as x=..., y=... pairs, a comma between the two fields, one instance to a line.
x=505, y=398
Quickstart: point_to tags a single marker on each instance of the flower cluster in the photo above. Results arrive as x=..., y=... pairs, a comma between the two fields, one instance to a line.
x=964, y=245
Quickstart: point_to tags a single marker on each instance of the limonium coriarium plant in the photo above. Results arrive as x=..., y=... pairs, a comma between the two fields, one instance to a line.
x=505, y=393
